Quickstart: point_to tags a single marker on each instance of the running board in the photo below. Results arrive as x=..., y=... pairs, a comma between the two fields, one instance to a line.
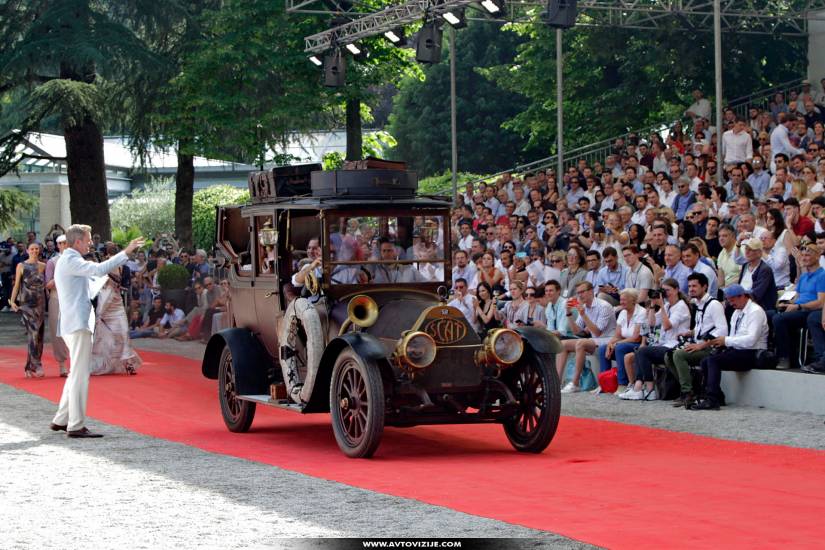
x=267, y=400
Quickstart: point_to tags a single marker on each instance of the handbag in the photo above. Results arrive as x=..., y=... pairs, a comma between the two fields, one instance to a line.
x=609, y=380
x=587, y=381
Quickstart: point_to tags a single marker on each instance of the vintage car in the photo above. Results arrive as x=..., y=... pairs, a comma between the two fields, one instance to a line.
x=339, y=305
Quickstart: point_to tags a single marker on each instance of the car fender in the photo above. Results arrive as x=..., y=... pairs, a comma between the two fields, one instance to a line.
x=365, y=345
x=250, y=360
x=539, y=340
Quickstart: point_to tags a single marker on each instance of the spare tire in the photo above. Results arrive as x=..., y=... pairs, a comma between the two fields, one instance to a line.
x=301, y=331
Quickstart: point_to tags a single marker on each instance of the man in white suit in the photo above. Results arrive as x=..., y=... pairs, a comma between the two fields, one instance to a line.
x=72, y=275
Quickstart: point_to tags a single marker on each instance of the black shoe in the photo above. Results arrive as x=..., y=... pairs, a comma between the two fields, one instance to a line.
x=684, y=399
x=814, y=368
x=57, y=427
x=83, y=432
x=704, y=405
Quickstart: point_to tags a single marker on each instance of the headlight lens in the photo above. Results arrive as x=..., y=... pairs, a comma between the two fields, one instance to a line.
x=418, y=349
x=506, y=346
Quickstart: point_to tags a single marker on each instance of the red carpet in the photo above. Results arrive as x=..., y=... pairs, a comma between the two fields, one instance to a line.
x=601, y=482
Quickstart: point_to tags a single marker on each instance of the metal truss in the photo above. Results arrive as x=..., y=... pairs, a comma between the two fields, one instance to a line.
x=772, y=17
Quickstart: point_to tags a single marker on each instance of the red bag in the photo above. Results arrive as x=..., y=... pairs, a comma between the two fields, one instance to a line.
x=609, y=380
x=195, y=327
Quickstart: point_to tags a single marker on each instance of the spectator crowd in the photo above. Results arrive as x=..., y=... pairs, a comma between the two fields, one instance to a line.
x=657, y=256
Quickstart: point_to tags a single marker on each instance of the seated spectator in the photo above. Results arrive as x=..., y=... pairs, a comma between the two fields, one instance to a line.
x=668, y=318
x=464, y=302
x=639, y=277
x=596, y=325
x=172, y=322
x=757, y=276
x=486, y=310
x=150, y=325
x=709, y=323
x=627, y=337
x=790, y=317
x=737, y=351
x=555, y=312
x=611, y=277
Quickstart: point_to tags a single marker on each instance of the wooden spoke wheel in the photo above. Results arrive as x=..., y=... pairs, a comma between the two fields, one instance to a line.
x=237, y=414
x=356, y=405
x=535, y=385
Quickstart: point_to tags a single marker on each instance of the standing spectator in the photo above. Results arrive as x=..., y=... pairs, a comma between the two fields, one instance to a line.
x=700, y=108
x=596, y=325
x=200, y=268
x=7, y=250
x=780, y=138
x=737, y=352
x=737, y=144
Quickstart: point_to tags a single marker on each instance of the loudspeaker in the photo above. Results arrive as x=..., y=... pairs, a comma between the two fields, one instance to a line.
x=428, y=49
x=335, y=69
x=560, y=14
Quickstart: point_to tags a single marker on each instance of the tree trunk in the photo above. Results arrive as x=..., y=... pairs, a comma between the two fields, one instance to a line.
x=354, y=138
x=88, y=194
x=184, y=189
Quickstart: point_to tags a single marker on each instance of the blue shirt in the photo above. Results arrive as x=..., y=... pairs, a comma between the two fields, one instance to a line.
x=679, y=272
x=760, y=183
x=556, y=317
x=681, y=203
x=810, y=283
x=614, y=278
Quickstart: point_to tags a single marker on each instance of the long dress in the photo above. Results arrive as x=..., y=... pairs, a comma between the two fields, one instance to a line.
x=111, y=351
x=33, y=307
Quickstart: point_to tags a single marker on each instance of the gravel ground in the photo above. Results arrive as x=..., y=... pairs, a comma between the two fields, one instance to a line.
x=132, y=491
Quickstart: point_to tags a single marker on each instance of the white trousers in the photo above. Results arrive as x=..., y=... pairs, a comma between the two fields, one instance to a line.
x=72, y=409
x=61, y=352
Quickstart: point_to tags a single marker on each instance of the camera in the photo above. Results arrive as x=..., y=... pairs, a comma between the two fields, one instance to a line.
x=654, y=294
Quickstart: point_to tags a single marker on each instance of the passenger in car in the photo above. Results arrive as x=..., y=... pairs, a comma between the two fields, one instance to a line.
x=394, y=273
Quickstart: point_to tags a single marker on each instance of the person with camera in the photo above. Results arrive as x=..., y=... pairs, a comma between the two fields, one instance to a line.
x=709, y=323
x=737, y=351
x=668, y=317
x=464, y=302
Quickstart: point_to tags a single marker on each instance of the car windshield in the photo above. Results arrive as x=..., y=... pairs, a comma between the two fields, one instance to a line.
x=381, y=249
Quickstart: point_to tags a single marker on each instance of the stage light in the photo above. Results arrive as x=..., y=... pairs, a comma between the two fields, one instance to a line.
x=493, y=6
x=317, y=62
x=396, y=36
x=456, y=18
x=353, y=49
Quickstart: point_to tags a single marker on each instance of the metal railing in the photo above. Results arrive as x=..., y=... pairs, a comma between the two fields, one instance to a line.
x=598, y=151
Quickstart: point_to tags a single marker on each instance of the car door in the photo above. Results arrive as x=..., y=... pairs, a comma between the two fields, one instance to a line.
x=267, y=289
x=234, y=244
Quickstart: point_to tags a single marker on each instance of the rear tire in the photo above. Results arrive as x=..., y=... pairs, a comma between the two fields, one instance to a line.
x=356, y=403
x=535, y=384
x=237, y=414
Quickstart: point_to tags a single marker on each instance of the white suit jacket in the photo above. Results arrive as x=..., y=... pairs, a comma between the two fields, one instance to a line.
x=72, y=275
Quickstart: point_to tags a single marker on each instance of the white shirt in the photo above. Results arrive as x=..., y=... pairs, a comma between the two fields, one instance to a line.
x=780, y=264
x=701, y=108
x=466, y=243
x=601, y=314
x=748, y=328
x=625, y=326
x=679, y=315
x=737, y=147
x=467, y=307
x=780, y=143
x=710, y=317
x=72, y=275
x=173, y=319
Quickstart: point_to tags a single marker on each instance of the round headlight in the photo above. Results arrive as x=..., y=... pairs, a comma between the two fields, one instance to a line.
x=506, y=346
x=418, y=350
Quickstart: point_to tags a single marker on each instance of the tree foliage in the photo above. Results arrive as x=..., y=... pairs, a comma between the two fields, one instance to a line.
x=12, y=203
x=151, y=209
x=420, y=119
x=203, y=211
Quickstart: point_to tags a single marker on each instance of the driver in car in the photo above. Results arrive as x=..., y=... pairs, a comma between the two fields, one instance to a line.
x=394, y=273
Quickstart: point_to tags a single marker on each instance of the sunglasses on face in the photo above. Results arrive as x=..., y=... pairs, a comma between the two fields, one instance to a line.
x=530, y=294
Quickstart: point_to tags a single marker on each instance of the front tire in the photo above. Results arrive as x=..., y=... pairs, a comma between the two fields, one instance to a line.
x=356, y=403
x=535, y=384
x=237, y=414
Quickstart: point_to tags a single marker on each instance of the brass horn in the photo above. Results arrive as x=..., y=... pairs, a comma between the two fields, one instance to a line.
x=362, y=311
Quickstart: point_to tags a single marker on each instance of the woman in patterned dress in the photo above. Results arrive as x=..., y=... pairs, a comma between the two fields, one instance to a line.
x=112, y=353
x=30, y=288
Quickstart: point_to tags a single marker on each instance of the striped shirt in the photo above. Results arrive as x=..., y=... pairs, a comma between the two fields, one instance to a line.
x=601, y=313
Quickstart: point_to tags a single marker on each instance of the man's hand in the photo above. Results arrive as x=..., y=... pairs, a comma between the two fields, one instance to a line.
x=690, y=348
x=134, y=245
x=718, y=341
